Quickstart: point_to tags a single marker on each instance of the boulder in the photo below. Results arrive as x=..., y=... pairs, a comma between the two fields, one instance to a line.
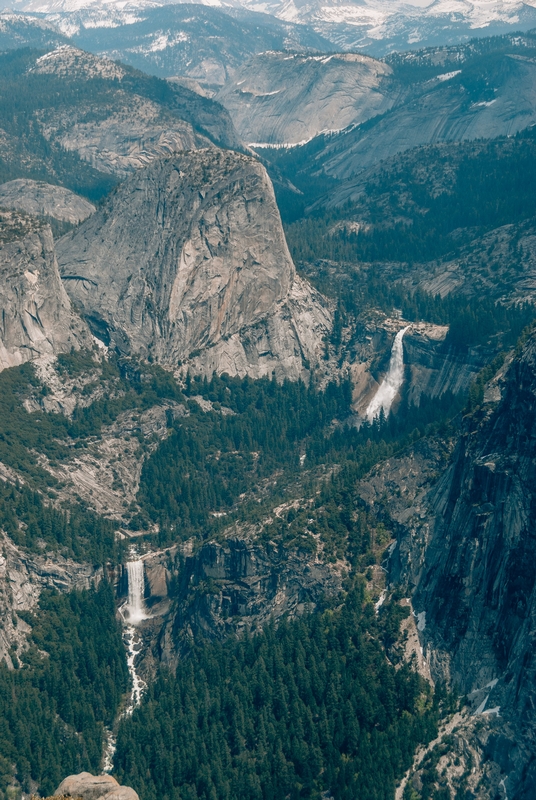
x=94, y=787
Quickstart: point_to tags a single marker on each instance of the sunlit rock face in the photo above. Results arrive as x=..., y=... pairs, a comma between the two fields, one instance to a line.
x=36, y=314
x=187, y=262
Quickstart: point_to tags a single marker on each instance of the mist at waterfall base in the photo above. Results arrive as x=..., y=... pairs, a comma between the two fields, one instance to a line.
x=391, y=384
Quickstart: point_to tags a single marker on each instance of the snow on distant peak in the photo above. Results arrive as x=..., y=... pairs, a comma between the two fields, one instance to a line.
x=447, y=76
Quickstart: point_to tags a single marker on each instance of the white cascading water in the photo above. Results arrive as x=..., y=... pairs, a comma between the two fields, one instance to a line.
x=392, y=382
x=136, y=591
x=135, y=613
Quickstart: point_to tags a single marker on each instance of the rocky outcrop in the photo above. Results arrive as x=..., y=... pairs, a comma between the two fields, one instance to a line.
x=434, y=368
x=23, y=577
x=113, y=117
x=227, y=588
x=477, y=592
x=288, y=98
x=465, y=549
x=187, y=264
x=43, y=199
x=37, y=318
x=453, y=107
x=431, y=367
x=105, y=476
x=94, y=787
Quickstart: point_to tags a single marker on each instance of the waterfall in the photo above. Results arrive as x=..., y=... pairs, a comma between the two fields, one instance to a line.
x=392, y=382
x=135, y=612
x=136, y=590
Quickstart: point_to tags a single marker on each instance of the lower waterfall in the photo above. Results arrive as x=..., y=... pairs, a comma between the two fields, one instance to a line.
x=136, y=591
x=132, y=612
x=392, y=382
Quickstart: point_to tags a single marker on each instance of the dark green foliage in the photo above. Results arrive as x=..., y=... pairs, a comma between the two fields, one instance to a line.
x=28, y=99
x=53, y=707
x=129, y=387
x=29, y=154
x=21, y=433
x=310, y=706
x=421, y=65
x=212, y=458
x=426, y=203
x=472, y=321
x=36, y=526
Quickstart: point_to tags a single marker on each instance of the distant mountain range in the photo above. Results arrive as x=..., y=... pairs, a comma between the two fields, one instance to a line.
x=377, y=27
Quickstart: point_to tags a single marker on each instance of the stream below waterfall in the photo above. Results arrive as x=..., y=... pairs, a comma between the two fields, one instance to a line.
x=132, y=612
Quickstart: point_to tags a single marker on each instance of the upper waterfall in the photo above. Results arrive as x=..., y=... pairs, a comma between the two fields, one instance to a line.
x=136, y=591
x=392, y=382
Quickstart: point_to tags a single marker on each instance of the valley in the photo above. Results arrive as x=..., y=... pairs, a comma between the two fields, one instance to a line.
x=267, y=379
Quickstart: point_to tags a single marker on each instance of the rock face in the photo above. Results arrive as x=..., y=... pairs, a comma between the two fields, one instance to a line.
x=288, y=98
x=37, y=317
x=431, y=367
x=477, y=592
x=187, y=261
x=44, y=199
x=465, y=549
x=110, y=118
x=94, y=787
x=236, y=586
x=22, y=579
x=485, y=98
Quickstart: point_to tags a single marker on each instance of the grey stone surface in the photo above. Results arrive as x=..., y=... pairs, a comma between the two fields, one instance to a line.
x=36, y=314
x=94, y=787
x=251, y=584
x=22, y=579
x=129, y=124
x=44, y=199
x=187, y=263
x=288, y=98
x=462, y=513
x=437, y=111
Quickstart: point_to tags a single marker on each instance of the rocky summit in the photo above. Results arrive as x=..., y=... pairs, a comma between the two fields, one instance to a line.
x=45, y=200
x=187, y=263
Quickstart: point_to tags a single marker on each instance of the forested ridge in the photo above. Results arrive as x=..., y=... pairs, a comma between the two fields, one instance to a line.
x=425, y=203
x=28, y=98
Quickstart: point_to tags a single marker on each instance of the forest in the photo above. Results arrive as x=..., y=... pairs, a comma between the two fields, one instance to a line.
x=309, y=706
x=424, y=204
x=65, y=688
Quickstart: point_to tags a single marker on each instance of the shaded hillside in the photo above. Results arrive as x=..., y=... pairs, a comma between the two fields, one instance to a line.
x=71, y=118
x=457, y=94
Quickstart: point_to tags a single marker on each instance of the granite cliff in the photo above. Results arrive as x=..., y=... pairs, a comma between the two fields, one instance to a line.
x=37, y=317
x=476, y=593
x=205, y=280
x=461, y=509
x=45, y=200
x=288, y=98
